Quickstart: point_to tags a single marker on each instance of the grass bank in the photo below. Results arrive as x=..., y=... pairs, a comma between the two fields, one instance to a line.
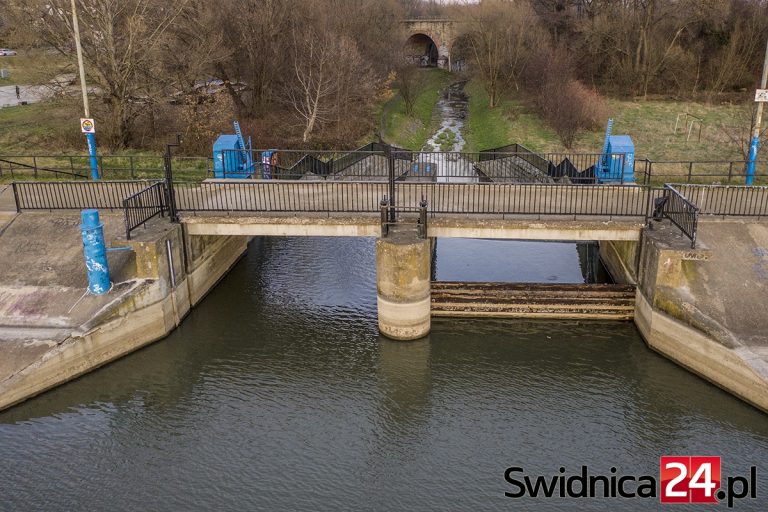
x=651, y=124
x=412, y=132
x=38, y=128
x=35, y=67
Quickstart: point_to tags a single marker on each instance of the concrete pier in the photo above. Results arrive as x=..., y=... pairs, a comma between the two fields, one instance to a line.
x=403, y=264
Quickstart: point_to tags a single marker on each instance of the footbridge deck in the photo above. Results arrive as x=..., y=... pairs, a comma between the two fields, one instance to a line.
x=535, y=211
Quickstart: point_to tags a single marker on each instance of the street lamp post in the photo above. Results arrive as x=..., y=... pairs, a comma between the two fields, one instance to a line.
x=87, y=126
x=755, y=143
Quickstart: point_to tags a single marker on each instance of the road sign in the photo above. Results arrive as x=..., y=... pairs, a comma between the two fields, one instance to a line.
x=87, y=125
x=761, y=95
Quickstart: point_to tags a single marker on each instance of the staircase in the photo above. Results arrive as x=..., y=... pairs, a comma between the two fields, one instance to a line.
x=524, y=300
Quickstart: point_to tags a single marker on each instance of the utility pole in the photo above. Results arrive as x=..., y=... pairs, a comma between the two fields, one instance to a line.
x=755, y=144
x=86, y=124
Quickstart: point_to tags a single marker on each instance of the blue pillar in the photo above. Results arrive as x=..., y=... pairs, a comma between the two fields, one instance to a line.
x=754, y=145
x=95, y=252
x=91, y=138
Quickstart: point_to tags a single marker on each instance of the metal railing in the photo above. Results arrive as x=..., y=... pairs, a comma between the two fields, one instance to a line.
x=144, y=206
x=279, y=196
x=372, y=162
x=393, y=216
x=681, y=212
x=111, y=167
x=727, y=200
x=508, y=163
x=74, y=195
x=704, y=172
x=443, y=198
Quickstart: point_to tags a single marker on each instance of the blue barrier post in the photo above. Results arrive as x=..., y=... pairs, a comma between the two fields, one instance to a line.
x=95, y=252
x=91, y=138
x=753, y=147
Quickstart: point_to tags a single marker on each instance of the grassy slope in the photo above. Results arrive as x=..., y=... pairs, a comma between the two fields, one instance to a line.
x=34, y=67
x=412, y=132
x=36, y=129
x=650, y=123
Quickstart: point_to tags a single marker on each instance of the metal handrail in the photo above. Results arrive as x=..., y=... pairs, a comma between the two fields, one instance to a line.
x=681, y=212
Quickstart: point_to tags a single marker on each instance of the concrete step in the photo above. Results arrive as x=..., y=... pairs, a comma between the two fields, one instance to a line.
x=521, y=300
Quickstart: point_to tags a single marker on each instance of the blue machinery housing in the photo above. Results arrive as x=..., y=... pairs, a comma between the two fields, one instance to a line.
x=617, y=163
x=232, y=158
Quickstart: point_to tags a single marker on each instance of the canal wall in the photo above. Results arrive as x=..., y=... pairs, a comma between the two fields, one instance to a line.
x=51, y=332
x=704, y=308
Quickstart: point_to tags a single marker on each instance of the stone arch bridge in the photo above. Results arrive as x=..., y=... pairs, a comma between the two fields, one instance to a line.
x=431, y=41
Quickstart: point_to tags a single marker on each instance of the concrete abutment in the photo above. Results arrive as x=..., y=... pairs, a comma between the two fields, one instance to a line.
x=700, y=308
x=169, y=273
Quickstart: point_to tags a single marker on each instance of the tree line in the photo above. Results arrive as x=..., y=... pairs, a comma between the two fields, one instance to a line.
x=295, y=71
x=312, y=72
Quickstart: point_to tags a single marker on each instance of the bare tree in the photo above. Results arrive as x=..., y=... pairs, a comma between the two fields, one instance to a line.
x=502, y=35
x=122, y=42
x=312, y=58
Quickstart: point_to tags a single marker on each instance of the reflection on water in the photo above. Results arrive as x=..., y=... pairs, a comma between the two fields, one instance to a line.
x=277, y=393
x=460, y=259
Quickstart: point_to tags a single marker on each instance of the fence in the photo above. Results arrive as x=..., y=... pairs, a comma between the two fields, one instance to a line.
x=443, y=198
x=512, y=163
x=111, y=167
x=714, y=172
x=74, y=195
x=681, y=212
x=279, y=196
x=376, y=161
x=727, y=200
x=143, y=206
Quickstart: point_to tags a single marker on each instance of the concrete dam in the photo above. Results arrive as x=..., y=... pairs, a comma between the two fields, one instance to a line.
x=695, y=305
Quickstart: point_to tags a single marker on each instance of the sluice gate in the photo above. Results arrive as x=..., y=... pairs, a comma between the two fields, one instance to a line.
x=533, y=300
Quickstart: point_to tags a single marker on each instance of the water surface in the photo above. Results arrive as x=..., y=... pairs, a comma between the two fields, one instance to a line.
x=277, y=393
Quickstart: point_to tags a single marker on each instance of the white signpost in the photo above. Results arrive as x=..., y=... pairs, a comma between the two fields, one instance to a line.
x=761, y=95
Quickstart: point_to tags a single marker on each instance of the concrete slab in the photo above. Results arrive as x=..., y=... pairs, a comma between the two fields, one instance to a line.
x=45, y=249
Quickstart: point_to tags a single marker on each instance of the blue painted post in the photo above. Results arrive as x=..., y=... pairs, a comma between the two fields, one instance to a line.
x=95, y=252
x=91, y=138
x=753, y=147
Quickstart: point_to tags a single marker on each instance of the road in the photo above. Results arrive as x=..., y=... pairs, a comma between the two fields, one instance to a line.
x=29, y=93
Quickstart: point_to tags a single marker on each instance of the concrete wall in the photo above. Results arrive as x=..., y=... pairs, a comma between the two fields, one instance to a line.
x=688, y=301
x=621, y=259
x=151, y=310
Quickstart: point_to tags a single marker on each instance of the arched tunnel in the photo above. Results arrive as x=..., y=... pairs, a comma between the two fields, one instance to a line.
x=421, y=50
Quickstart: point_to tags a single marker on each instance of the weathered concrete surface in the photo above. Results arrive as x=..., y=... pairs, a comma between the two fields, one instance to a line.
x=403, y=284
x=705, y=308
x=621, y=259
x=443, y=226
x=527, y=300
x=51, y=331
x=521, y=228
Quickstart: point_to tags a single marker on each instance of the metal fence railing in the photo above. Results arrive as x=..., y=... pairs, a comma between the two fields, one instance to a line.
x=74, y=195
x=111, y=167
x=705, y=172
x=727, y=200
x=443, y=198
x=374, y=162
x=279, y=196
x=143, y=206
x=681, y=212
